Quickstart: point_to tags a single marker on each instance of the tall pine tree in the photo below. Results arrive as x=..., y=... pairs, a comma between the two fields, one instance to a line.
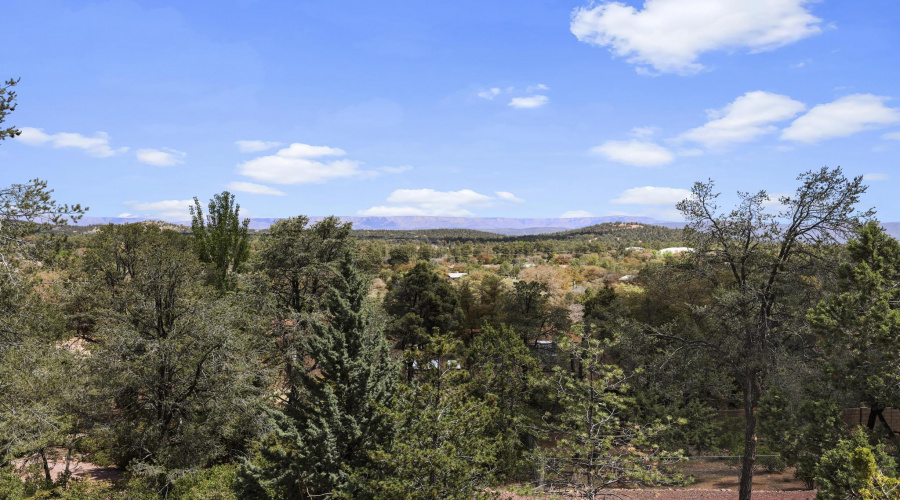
x=324, y=434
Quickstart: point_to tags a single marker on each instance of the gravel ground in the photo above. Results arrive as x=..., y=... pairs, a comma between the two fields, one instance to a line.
x=685, y=494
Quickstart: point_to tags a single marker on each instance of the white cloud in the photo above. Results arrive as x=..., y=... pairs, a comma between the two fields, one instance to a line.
x=170, y=210
x=164, y=157
x=125, y=215
x=573, y=214
x=876, y=177
x=540, y=86
x=841, y=118
x=530, y=102
x=637, y=153
x=651, y=195
x=490, y=93
x=670, y=35
x=256, y=146
x=249, y=187
x=301, y=164
x=506, y=195
x=97, y=146
x=430, y=202
x=644, y=132
x=891, y=136
x=396, y=170
x=744, y=119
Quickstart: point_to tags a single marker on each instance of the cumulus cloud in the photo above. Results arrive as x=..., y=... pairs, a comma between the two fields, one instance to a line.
x=651, y=195
x=876, y=177
x=435, y=203
x=164, y=157
x=490, y=93
x=530, y=102
x=302, y=164
x=574, y=214
x=249, y=187
x=635, y=152
x=97, y=146
x=744, y=119
x=256, y=146
x=841, y=118
x=670, y=35
x=170, y=210
x=506, y=195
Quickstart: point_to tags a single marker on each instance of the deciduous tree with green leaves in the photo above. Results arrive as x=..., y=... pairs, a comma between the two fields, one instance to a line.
x=220, y=238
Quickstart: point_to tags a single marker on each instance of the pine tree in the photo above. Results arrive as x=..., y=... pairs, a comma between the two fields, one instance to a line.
x=325, y=433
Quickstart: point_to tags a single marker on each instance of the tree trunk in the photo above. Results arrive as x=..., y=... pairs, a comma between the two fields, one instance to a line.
x=751, y=400
x=47, y=474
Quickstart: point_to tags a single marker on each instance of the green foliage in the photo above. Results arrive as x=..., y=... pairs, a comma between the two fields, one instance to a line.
x=402, y=255
x=216, y=483
x=443, y=446
x=11, y=487
x=7, y=106
x=592, y=447
x=859, y=325
x=801, y=432
x=324, y=431
x=505, y=370
x=175, y=360
x=420, y=303
x=220, y=238
x=299, y=260
x=855, y=468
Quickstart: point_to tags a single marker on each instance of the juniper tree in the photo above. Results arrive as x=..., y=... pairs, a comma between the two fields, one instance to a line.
x=323, y=435
x=859, y=324
x=445, y=443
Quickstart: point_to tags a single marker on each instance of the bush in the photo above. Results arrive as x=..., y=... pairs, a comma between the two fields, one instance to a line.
x=11, y=487
x=215, y=483
x=838, y=474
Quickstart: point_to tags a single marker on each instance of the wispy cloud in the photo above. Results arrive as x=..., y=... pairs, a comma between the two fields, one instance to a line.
x=169, y=210
x=529, y=102
x=251, y=188
x=97, y=146
x=651, y=195
x=256, y=146
x=437, y=203
x=164, y=157
x=635, y=152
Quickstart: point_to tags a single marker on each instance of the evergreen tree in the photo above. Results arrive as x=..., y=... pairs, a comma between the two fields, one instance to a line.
x=860, y=324
x=596, y=447
x=324, y=434
x=445, y=444
x=7, y=106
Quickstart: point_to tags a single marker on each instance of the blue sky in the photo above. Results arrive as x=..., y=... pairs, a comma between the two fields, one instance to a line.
x=505, y=108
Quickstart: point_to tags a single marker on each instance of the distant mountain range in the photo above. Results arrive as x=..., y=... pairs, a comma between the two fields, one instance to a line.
x=501, y=225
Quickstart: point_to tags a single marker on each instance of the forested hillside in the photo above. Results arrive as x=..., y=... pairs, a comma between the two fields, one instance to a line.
x=311, y=359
